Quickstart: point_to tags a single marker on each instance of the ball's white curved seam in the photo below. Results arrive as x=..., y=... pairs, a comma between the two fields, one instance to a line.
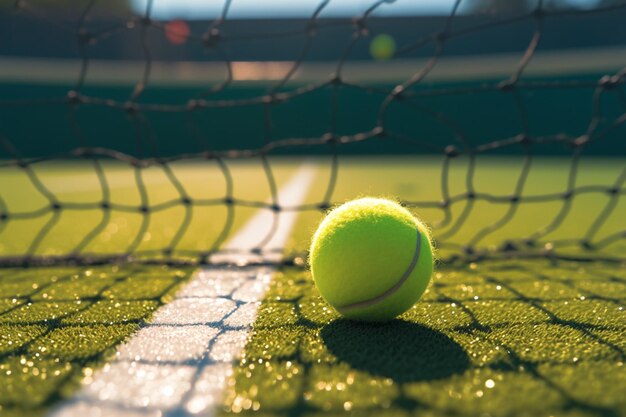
x=388, y=293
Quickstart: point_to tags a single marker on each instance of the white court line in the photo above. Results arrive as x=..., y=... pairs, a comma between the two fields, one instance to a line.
x=178, y=364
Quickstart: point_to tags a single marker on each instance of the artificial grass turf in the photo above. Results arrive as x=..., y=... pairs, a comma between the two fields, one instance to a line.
x=499, y=338
x=520, y=317
x=57, y=325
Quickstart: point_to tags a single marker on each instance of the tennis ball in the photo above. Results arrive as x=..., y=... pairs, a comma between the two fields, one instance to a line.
x=383, y=47
x=371, y=259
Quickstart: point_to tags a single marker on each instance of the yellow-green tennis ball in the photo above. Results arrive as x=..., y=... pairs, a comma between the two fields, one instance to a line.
x=382, y=47
x=371, y=259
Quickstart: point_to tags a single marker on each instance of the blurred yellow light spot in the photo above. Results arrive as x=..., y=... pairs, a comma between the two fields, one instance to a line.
x=382, y=47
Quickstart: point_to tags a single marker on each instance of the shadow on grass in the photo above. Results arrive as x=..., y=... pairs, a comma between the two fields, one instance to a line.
x=399, y=350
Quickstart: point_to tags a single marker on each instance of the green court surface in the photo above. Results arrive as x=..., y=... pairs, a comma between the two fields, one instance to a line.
x=416, y=180
x=58, y=325
x=516, y=337
x=79, y=183
x=497, y=338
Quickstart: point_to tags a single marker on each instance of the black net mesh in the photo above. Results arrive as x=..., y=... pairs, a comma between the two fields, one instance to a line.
x=401, y=104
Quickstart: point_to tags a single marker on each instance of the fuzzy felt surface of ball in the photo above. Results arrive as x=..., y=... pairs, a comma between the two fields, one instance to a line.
x=371, y=259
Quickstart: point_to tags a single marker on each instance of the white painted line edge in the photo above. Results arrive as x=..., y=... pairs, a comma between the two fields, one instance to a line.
x=179, y=364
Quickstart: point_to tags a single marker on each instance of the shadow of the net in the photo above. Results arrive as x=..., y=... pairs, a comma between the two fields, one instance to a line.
x=400, y=350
